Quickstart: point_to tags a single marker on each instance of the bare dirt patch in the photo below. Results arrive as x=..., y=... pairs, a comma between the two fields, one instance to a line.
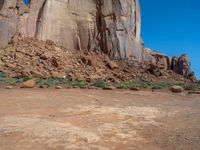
x=97, y=119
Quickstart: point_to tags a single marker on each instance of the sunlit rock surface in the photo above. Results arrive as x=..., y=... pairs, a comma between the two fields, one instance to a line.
x=110, y=26
x=104, y=25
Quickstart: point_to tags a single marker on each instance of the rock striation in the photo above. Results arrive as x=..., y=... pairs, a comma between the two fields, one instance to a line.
x=108, y=26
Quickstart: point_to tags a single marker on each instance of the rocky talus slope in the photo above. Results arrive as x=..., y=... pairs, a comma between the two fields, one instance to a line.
x=31, y=57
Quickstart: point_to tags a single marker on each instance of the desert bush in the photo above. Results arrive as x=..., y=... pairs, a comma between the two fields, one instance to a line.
x=99, y=83
x=77, y=83
x=159, y=85
x=3, y=76
x=127, y=85
x=192, y=87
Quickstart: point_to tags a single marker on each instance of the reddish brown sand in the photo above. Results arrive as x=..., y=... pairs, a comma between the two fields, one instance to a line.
x=49, y=119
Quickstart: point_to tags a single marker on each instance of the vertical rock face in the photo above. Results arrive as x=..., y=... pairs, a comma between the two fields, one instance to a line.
x=111, y=26
x=8, y=21
x=181, y=65
x=11, y=12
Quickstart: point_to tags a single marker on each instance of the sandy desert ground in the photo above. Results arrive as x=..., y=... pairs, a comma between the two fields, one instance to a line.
x=80, y=119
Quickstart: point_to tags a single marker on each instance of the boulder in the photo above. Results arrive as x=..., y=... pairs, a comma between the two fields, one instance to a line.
x=29, y=84
x=177, y=89
x=134, y=88
x=112, y=64
x=109, y=88
x=58, y=87
x=9, y=87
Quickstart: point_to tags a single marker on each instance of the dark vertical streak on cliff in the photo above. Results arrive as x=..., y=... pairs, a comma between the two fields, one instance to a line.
x=1, y=4
x=135, y=15
x=101, y=27
x=39, y=18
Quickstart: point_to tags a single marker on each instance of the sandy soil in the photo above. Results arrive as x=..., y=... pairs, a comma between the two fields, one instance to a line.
x=49, y=119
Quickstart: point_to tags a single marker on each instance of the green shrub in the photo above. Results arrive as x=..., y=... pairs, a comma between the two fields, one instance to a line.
x=77, y=83
x=99, y=83
x=42, y=82
x=3, y=76
x=157, y=87
x=26, y=78
x=136, y=84
x=52, y=81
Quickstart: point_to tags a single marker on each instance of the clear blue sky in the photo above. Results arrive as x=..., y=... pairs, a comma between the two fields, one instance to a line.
x=173, y=27
x=26, y=1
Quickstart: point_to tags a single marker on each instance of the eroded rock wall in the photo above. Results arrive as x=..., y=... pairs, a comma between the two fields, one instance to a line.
x=161, y=62
x=110, y=26
x=8, y=21
x=181, y=65
x=11, y=17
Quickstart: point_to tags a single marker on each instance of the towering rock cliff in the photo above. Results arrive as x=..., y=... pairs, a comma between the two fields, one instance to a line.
x=109, y=26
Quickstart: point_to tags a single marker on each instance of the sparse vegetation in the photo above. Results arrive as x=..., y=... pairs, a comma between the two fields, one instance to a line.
x=192, y=87
x=61, y=81
x=127, y=85
x=3, y=76
x=147, y=85
x=99, y=83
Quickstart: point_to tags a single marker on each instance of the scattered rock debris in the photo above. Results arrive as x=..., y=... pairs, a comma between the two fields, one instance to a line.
x=39, y=59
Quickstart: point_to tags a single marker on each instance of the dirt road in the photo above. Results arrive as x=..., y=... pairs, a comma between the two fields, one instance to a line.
x=49, y=119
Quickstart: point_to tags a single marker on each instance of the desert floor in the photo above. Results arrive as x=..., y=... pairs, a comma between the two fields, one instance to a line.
x=81, y=119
